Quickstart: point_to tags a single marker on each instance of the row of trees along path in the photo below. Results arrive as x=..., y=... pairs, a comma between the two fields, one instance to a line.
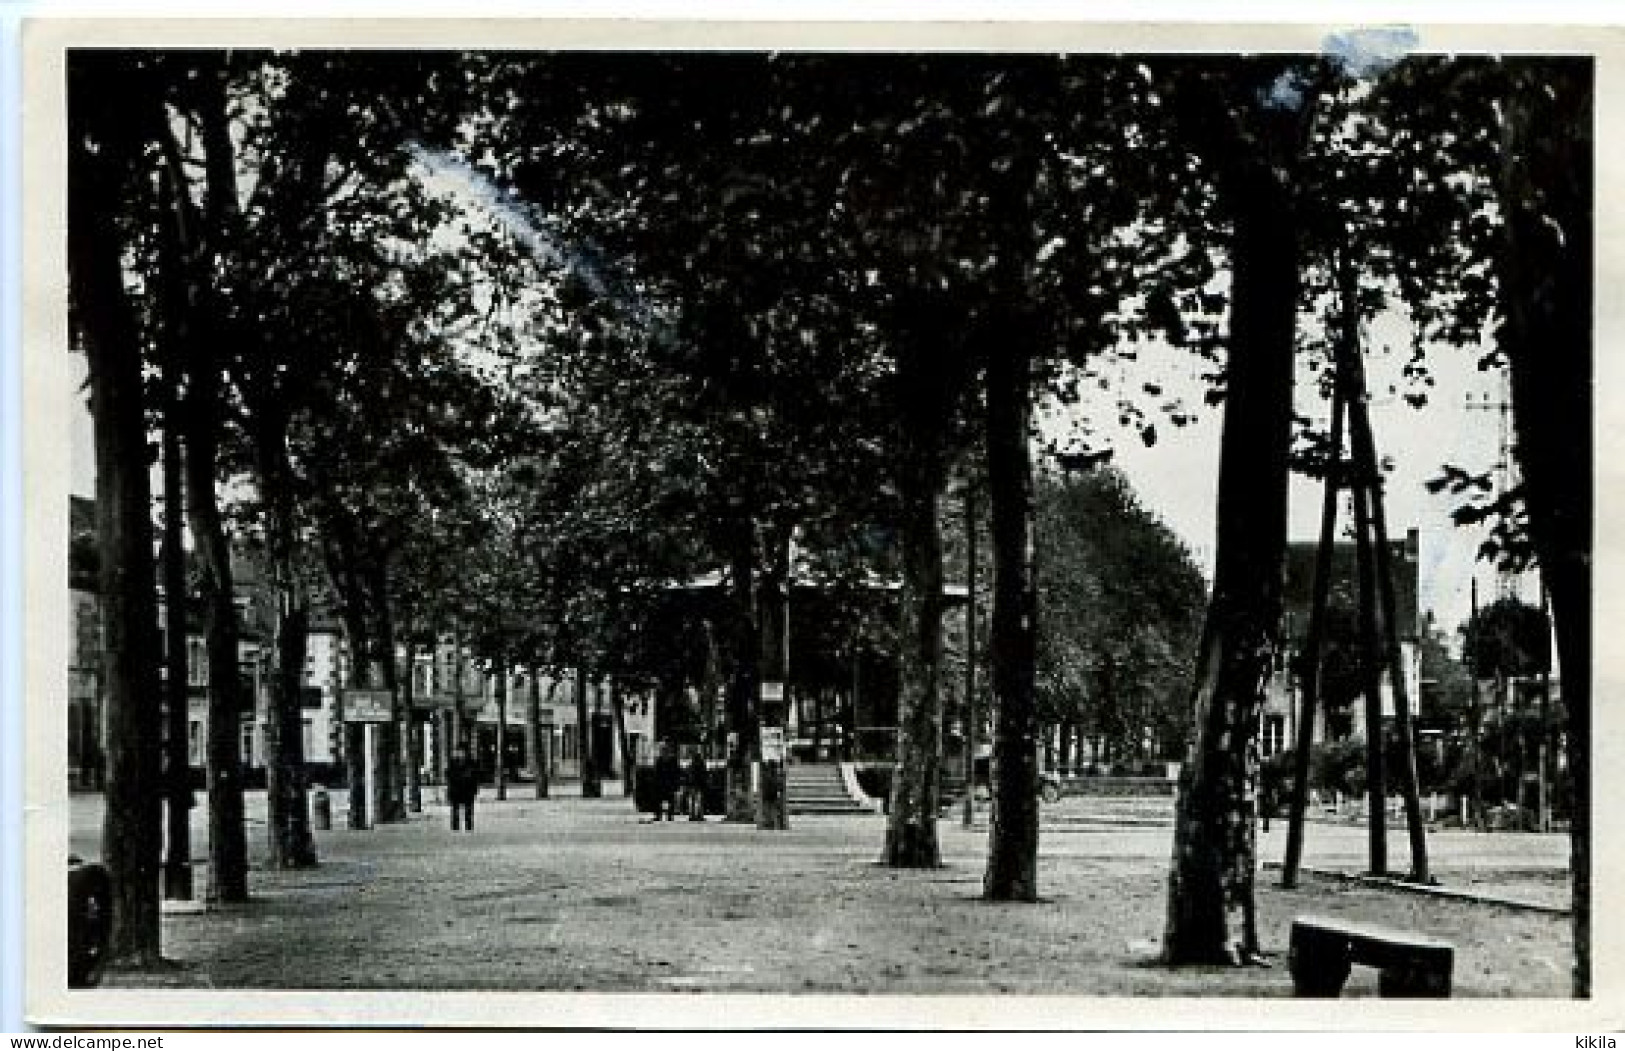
x=712, y=310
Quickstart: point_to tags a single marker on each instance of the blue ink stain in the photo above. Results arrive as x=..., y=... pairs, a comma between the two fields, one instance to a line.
x=1286, y=93
x=1369, y=52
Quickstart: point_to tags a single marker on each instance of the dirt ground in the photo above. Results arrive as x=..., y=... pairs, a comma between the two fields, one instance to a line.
x=577, y=895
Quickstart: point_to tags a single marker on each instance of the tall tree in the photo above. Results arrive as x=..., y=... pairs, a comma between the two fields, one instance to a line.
x=112, y=102
x=1547, y=289
x=1518, y=133
x=308, y=144
x=663, y=161
x=203, y=236
x=177, y=618
x=1012, y=865
x=1122, y=604
x=1252, y=124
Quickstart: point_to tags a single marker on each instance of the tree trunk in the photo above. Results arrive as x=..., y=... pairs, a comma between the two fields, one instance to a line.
x=411, y=728
x=499, y=686
x=175, y=321
x=288, y=819
x=591, y=788
x=911, y=827
x=361, y=812
x=1547, y=293
x=744, y=686
x=391, y=739
x=617, y=704
x=973, y=716
x=1376, y=773
x=533, y=730
x=1012, y=862
x=459, y=731
x=376, y=762
x=1211, y=913
x=228, y=846
x=132, y=830
x=533, y=736
x=710, y=684
x=177, y=758
x=773, y=619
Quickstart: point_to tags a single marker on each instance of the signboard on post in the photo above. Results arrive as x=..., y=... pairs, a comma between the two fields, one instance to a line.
x=772, y=744
x=367, y=706
x=772, y=693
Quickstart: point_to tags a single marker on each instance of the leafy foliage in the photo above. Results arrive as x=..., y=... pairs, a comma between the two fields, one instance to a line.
x=1122, y=603
x=1507, y=638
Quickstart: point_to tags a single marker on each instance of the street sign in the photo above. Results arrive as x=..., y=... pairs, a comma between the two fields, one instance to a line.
x=772, y=692
x=367, y=706
x=772, y=744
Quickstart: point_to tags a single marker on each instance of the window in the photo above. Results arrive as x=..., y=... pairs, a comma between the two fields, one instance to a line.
x=197, y=663
x=194, y=743
x=1274, y=735
x=309, y=741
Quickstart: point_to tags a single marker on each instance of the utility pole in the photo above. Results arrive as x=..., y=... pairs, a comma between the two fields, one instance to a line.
x=1501, y=404
x=1507, y=584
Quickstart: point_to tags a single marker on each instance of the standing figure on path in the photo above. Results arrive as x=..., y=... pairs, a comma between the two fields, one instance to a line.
x=462, y=788
x=668, y=780
x=697, y=778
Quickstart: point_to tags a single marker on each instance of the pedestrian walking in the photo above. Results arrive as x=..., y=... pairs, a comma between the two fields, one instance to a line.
x=668, y=781
x=696, y=781
x=462, y=788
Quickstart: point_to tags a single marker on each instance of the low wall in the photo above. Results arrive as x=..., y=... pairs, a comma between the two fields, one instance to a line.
x=1118, y=786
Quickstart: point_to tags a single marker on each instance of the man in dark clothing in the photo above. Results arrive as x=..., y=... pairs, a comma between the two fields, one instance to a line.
x=696, y=780
x=668, y=779
x=462, y=788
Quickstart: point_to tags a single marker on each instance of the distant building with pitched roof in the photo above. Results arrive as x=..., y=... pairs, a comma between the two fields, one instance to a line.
x=1283, y=694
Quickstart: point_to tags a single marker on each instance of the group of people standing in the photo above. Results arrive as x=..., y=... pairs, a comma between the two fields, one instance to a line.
x=677, y=786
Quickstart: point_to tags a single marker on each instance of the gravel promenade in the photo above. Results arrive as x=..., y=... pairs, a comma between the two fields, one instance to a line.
x=568, y=894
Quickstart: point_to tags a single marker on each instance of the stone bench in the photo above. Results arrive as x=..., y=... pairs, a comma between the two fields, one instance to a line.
x=1324, y=950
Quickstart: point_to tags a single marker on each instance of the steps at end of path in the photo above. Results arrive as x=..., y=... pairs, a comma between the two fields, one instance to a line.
x=819, y=788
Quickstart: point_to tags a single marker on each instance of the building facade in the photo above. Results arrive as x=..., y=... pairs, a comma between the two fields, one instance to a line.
x=1279, y=720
